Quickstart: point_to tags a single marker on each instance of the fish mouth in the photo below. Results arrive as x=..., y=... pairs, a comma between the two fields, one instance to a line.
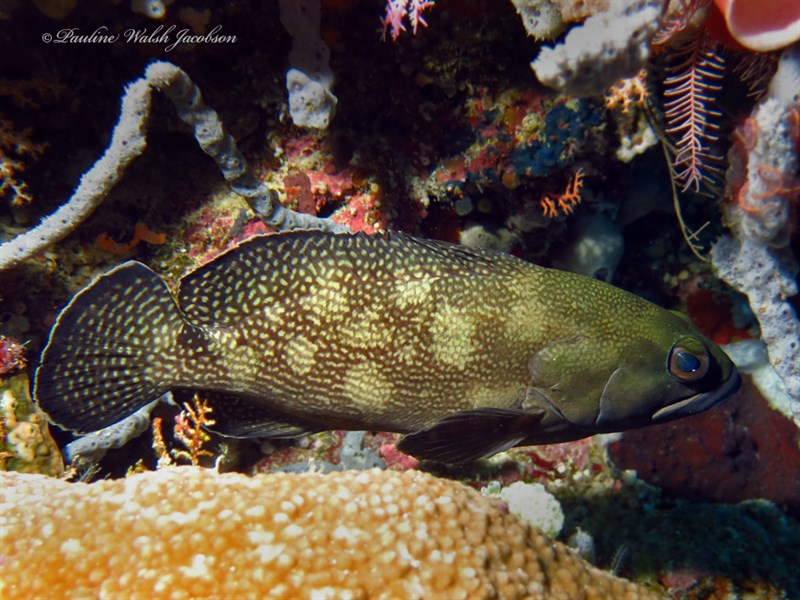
x=698, y=402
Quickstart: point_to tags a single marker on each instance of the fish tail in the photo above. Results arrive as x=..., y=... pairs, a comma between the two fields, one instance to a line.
x=108, y=350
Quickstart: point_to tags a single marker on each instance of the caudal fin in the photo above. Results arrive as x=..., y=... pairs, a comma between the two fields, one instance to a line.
x=107, y=351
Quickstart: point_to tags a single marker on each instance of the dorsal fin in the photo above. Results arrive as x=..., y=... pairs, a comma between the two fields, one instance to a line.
x=270, y=268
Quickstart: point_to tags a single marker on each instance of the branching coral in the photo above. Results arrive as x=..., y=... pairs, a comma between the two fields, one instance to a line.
x=189, y=431
x=398, y=10
x=555, y=204
x=185, y=531
x=14, y=147
x=627, y=93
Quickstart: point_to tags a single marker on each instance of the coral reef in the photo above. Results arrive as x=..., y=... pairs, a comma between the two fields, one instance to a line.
x=444, y=131
x=17, y=149
x=129, y=141
x=757, y=259
x=25, y=441
x=14, y=146
x=541, y=18
x=191, y=532
x=12, y=356
x=766, y=150
x=768, y=279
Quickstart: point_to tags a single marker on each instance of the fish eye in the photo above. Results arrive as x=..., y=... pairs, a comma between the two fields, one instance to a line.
x=687, y=365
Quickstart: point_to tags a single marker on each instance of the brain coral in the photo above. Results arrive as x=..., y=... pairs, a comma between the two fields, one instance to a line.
x=186, y=532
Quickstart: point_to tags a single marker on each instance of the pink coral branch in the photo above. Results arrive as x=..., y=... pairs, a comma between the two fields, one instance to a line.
x=398, y=10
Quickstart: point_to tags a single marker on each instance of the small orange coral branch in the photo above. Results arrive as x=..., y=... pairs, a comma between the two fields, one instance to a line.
x=627, y=92
x=164, y=458
x=566, y=202
x=189, y=432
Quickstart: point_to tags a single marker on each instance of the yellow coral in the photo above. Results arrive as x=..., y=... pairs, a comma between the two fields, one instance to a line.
x=188, y=532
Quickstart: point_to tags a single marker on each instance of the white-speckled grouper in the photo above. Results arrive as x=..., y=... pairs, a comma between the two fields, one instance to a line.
x=469, y=352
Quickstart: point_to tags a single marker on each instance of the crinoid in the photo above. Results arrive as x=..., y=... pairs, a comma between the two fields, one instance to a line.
x=690, y=90
x=687, y=122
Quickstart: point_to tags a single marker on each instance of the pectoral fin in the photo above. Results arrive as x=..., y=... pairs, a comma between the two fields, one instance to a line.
x=472, y=434
x=240, y=417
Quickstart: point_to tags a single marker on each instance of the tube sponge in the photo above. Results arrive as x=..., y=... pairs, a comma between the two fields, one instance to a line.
x=310, y=79
x=762, y=26
x=184, y=531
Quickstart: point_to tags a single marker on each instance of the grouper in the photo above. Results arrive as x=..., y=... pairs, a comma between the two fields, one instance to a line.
x=468, y=352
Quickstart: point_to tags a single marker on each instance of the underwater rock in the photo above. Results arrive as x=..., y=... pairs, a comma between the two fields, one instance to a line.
x=743, y=449
x=187, y=531
x=541, y=18
x=595, y=249
x=607, y=47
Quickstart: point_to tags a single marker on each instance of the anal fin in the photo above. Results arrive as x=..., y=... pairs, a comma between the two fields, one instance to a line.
x=469, y=435
x=240, y=416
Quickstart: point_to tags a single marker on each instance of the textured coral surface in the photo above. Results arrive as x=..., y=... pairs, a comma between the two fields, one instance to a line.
x=187, y=532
